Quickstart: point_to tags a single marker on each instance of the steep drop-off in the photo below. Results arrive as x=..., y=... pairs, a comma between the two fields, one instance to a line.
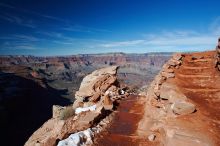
x=31, y=85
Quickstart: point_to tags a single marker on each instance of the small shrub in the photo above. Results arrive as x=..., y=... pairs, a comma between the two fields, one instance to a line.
x=66, y=113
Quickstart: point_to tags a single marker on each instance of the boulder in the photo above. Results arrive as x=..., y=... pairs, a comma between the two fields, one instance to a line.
x=107, y=103
x=183, y=107
x=57, y=111
x=171, y=92
x=99, y=80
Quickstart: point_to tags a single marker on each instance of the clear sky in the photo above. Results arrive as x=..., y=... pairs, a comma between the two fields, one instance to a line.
x=66, y=27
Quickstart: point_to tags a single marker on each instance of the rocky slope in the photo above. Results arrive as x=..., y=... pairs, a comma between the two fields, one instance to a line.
x=180, y=107
x=30, y=86
x=95, y=100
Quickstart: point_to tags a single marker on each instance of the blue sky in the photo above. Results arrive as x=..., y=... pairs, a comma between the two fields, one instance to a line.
x=55, y=27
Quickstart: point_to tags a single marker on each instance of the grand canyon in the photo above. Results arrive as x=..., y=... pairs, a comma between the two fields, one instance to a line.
x=109, y=73
x=111, y=99
x=30, y=85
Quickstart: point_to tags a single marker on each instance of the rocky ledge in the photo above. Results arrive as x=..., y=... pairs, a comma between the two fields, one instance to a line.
x=77, y=124
x=182, y=102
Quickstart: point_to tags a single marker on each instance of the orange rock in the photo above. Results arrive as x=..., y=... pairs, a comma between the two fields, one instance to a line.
x=107, y=103
x=95, y=97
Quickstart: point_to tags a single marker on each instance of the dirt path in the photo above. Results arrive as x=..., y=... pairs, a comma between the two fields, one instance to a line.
x=122, y=131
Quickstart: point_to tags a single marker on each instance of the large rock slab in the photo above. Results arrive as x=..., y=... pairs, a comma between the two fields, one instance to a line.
x=171, y=92
x=99, y=80
x=183, y=107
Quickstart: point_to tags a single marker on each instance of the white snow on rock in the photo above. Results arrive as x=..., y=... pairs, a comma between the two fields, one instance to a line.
x=122, y=92
x=84, y=109
x=77, y=139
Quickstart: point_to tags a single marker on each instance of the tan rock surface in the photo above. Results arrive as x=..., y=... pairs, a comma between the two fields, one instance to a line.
x=107, y=103
x=92, y=83
x=183, y=108
x=171, y=92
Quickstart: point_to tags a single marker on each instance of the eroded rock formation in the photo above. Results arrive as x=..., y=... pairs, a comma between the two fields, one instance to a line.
x=95, y=100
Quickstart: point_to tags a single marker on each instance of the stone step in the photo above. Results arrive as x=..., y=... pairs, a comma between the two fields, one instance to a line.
x=202, y=90
x=195, y=67
x=193, y=76
x=201, y=60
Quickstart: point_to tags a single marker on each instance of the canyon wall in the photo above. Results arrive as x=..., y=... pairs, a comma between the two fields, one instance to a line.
x=31, y=85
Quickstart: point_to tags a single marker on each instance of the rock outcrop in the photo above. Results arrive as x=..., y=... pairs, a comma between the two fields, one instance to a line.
x=96, y=83
x=94, y=101
x=168, y=90
x=217, y=62
x=180, y=109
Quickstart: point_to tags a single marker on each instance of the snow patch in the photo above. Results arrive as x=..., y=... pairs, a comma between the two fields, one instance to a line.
x=84, y=109
x=79, y=138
